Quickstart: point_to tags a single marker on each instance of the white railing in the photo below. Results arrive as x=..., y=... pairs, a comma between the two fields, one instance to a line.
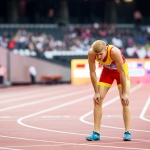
x=50, y=54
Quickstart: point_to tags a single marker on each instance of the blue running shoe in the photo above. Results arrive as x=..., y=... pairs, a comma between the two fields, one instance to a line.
x=94, y=137
x=127, y=136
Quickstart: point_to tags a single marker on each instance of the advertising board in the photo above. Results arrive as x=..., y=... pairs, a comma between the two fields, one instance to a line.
x=139, y=70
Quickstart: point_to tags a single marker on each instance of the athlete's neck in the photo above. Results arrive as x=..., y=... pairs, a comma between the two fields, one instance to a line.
x=105, y=58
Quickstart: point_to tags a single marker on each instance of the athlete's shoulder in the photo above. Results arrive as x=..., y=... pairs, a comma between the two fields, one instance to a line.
x=115, y=50
x=91, y=56
x=91, y=53
x=116, y=54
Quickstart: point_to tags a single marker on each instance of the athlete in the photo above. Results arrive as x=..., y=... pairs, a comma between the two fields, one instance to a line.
x=114, y=68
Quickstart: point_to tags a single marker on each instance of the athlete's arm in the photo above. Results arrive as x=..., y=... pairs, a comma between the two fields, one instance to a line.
x=91, y=61
x=116, y=56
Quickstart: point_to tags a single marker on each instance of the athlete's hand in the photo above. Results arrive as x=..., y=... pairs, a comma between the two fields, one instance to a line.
x=124, y=99
x=96, y=98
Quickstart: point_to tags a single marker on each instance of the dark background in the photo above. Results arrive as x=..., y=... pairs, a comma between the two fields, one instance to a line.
x=72, y=11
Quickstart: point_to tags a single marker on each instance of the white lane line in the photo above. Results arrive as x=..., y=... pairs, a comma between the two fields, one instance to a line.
x=8, y=148
x=108, y=103
x=88, y=145
x=13, y=97
x=45, y=141
x=53, y=108
x=55, y=116
x=19, y=89
x=27, y=139
x=41, y=145
x=63, y=105
x=5, y=93
x=144, y=110
x=82, y=144
x=77, y=144
x=36, y=95
x=46, y=99
x=19, y=121
x=3, y=117
x=37, y=88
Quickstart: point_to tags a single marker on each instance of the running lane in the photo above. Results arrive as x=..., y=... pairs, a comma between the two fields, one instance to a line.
x=62, y=119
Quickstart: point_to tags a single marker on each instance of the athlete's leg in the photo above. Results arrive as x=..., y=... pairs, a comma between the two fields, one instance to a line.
x=104, y=85
x=98, y=108
x=126, y=112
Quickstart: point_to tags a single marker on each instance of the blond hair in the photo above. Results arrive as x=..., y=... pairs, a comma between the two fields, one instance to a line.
x=99, y=46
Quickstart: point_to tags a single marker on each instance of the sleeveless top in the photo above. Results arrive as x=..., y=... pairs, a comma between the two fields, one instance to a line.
x=109, y=63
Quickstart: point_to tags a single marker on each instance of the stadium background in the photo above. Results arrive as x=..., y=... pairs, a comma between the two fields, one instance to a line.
x=54, y=36
x=50, y=33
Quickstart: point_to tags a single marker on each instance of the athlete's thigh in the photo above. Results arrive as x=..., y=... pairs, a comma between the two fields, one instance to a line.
x=117, y=77
x=106, y=79
x=103, y=91
x=120, y=90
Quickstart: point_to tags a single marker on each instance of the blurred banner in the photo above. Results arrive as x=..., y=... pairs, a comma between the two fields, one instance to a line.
x=139, y=70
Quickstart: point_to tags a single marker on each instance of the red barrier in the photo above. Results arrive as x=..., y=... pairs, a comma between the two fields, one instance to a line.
x=51, y=79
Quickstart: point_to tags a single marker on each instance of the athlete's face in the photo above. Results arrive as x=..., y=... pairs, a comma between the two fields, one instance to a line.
x=101, y=55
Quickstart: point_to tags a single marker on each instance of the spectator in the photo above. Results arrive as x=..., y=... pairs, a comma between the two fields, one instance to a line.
x=138, y=19
x=117, y=42
x=11, y=44
x=141, y=52
x=131, y=51
x=147, y=47
x=33, y=73
x=76, y=38
x=2, y=75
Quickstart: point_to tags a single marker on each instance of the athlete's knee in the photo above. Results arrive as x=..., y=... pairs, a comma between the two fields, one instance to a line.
x=102, y=97
x=124, y=104
x=99, y=103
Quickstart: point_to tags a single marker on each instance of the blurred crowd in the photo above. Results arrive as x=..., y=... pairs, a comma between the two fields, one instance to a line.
x=132, y=42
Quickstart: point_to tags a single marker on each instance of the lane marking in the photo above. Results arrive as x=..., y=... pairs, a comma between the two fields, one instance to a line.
x=8, y=148
x=58, y=106
x=83, y=144
x=45, y=100
x=71, y=133
x=55, y=116
x=27, y=139
x=69, y=103
x=53, y=108
x=108, y=103
x=7, y=93
x=35, y=95
x=144, y=110
x=5, y=117
x=41, y=145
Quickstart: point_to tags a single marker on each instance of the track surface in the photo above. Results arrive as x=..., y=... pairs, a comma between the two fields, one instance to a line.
x=60, y=117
